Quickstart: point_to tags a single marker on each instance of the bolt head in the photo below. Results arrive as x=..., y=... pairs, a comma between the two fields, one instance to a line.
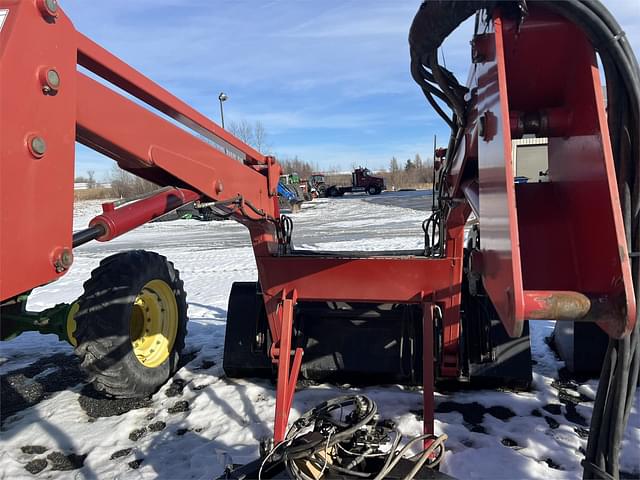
x=52, y=5
x=50, y=80
x=37, y=146
x=62, y=259
x=53, y=79
x=48, y=9
x=66, y=258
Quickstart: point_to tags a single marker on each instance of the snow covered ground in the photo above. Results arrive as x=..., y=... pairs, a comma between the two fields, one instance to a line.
x=201, y=421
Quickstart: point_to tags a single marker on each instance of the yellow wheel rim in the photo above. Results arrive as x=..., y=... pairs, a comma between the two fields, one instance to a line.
x=154, y=323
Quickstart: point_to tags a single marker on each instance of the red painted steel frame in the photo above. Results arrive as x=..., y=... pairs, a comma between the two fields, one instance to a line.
x=558, y=240
x=428, y=282
x=540, y=248
x=36, y=190
x=287, y=372
x=81, y=109
x=428, y=377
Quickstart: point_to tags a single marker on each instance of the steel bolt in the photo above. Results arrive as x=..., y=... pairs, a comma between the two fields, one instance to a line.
x=50, y=80
x=37, y=146
x=48, y=9
x=63, y=259
x=66, y=258
x=53, y=78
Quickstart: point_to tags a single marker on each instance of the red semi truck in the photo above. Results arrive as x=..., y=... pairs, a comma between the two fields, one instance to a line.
x=361, y=181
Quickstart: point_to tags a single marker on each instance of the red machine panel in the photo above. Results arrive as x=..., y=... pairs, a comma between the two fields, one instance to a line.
x=502, y=273
x=37, y=107
x=404, y=280
x=564, y=238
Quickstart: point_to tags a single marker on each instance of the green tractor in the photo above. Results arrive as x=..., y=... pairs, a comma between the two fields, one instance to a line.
x=292, y=180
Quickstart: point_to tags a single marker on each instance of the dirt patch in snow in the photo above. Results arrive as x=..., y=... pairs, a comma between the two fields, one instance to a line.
x=25, y=387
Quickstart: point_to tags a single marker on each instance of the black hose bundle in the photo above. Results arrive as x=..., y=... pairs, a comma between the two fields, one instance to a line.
x=619, y=375
x=434, y=21
x=345, y=438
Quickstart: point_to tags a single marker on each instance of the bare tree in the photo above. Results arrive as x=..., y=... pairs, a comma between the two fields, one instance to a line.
x=126, y=185
x=243, y=130
x=417, y=161
x=260, y=138
x=395, y=173
x=295, y=165
x=91, y=181
x=252, y=134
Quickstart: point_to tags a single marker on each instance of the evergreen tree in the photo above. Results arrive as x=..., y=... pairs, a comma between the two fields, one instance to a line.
x=409, y=165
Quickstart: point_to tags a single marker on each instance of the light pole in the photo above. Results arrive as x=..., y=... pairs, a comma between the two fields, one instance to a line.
x=223, y=98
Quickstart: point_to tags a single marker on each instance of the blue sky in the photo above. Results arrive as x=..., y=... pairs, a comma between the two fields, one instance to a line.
x=329, y=80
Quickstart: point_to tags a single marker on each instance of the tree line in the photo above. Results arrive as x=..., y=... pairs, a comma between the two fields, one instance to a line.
x=412, y=173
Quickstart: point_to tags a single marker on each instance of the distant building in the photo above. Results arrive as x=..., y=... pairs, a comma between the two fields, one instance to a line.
x=530, y=158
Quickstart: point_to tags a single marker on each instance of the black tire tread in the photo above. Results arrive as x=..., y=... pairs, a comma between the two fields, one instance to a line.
x=100, y=336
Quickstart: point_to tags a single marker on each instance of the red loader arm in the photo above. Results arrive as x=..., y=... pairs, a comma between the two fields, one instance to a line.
x=48, y=104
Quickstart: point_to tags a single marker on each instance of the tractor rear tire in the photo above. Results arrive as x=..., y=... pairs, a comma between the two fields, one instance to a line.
x=334, y=191
x=247, y=339
x=131, y=324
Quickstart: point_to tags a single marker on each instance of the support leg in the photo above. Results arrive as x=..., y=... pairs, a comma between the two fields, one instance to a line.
x=427, y=366
x=287, y=372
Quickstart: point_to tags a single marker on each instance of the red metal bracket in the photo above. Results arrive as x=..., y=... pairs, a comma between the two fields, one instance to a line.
x=273, y=175
x=427, y=367
x=540, y=256
x=287, y=372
